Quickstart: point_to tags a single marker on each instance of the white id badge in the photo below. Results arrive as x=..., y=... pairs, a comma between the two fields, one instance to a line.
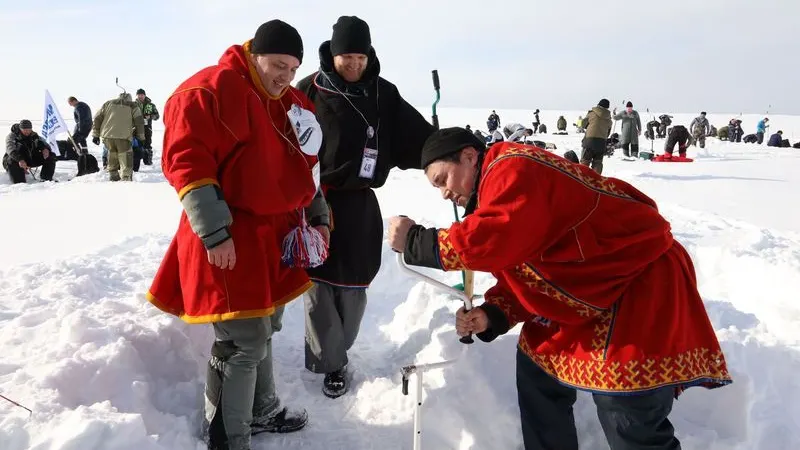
x=368, y=163
x=306, y=129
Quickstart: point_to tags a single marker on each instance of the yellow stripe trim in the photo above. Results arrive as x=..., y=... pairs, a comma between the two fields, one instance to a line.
x=248, y=314
x=196, y=184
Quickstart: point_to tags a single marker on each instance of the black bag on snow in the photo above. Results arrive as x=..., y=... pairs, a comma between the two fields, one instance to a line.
x=87, y=164
x=571, y=156
x=750, y=139
x=67, y=151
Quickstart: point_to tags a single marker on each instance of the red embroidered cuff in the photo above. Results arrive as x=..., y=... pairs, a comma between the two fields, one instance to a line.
x=448, y=258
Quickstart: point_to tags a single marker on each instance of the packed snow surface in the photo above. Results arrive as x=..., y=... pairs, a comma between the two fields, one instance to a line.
x=102, y=369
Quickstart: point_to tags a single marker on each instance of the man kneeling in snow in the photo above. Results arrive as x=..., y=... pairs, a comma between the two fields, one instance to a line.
x=25, y=150
x=607, y=296
x=679, y=136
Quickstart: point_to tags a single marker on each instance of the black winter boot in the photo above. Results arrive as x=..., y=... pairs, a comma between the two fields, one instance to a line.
x=285, y=421
x=335, y=384
x=147, y=158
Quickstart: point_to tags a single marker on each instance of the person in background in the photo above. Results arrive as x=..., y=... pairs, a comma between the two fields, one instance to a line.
x=776, y=139
x=573, y=254
x=699, y=129
x=722, y=134
x=83, y=122
x=680, y=136
x=536, y=122
x=652, y=129
x=369, y=129
x=493, y=122
x=631, y=129
x=598, y=127
x=520, y=134
x=735, y=131
x=244, y=172
x=561, y=124
x=511, y=128
x=115, y=123
x=26, y=150
x=150, y=113
x=761, y=129
x=580, y=126
x=666, y=121
x=494, y=137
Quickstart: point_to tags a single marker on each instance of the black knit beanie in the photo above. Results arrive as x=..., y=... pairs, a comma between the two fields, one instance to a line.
x=629, y=105
x=350, y=35
x=604, y=103
x=446, y=142
x=140, y=91
x=25, y=124
x=277, y=36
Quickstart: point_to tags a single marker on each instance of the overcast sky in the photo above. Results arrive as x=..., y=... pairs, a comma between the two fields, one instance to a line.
x=726, y=56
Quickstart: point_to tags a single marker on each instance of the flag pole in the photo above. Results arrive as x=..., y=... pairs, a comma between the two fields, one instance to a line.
x=78, y=148
x=57, y=127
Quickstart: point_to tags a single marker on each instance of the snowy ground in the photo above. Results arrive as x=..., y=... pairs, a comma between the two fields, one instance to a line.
x=102, y=369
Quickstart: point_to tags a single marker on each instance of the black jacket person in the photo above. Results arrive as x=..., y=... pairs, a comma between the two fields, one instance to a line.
x=368, y=129
x=83, y=121
x=25, y=150
x=150, y=113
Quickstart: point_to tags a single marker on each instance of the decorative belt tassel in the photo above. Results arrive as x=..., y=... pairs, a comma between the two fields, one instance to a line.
x=304, y=247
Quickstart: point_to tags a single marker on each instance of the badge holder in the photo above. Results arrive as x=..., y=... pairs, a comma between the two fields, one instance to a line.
x=369, y=159
x=306, y=129
x=368, y=162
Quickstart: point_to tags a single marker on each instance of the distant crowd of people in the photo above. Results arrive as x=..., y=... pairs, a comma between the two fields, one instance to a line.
x=124, y=125
x=599, y=141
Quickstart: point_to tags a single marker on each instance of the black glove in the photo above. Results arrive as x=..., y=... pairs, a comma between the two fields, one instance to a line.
x=96, y=140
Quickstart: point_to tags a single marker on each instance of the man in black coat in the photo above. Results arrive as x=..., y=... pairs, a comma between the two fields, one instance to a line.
x=25, y=150
x=83, y=121
x=368, y=130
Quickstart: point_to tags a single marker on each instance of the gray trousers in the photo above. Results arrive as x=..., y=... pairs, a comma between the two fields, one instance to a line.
x=333, y=319
x=240, y=386
x=630, y=149
x=630, y=422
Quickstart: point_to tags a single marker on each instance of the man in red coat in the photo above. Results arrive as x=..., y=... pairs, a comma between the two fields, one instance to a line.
x=231, y=151
x=607, y=297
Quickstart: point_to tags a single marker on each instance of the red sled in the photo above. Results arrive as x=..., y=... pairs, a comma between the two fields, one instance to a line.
x=667, y=158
